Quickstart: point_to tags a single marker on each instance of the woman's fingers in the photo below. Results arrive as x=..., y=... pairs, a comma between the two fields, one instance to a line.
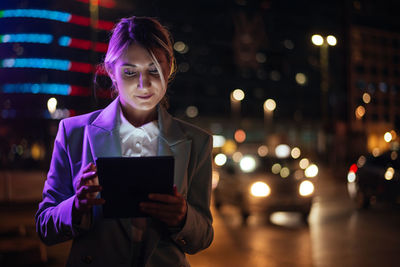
x=170, y=218
x=170, y=209
x=86, y=177
x=83, y=201
x=92, y=201
x=83, y=190
x=89, y=167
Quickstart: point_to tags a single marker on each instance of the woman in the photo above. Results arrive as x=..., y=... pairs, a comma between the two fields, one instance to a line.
x=140, y=62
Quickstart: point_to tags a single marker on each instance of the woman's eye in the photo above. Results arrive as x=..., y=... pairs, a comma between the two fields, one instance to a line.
x=153, y=71
x=129, y=72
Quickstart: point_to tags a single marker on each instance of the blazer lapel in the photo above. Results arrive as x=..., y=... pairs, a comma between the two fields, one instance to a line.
x=103, y=134
x=173, y=142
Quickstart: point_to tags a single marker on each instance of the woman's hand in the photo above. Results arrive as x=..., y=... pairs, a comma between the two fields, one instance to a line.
x=172, y=209
x=87, y=190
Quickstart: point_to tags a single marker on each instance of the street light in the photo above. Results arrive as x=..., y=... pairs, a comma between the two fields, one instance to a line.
x=269, y=107
x=236, y=96
x=324, y=43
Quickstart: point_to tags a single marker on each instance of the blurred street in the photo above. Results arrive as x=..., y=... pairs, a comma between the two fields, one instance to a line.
x=305, y=92
x=336, y=235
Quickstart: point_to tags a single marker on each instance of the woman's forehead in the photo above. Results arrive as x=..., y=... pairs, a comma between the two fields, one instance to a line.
x=140, y=55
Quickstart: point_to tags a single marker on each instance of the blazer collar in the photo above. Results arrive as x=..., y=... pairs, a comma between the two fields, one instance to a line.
x=170, y=130
x=108, y=119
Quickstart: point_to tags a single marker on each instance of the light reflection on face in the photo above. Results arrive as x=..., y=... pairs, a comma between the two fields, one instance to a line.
x=138, y=80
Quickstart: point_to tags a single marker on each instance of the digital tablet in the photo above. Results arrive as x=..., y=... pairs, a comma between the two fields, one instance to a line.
x=127, y=181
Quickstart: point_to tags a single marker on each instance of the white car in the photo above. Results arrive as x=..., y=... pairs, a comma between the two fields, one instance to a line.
x=266, y=184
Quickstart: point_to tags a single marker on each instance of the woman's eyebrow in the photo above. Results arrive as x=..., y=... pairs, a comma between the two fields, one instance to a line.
x=126, y=64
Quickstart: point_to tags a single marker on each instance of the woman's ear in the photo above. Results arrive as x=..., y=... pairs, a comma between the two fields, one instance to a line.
x=111, y=75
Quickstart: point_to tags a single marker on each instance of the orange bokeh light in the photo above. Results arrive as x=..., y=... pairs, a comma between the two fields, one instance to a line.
x=240, y=136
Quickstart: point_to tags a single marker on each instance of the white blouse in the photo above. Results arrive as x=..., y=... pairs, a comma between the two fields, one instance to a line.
x=138, y=141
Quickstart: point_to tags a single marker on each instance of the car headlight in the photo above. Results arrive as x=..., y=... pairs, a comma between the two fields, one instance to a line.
x=248, y=164
x=351, y=177
x=260, y=189
x=306, y=188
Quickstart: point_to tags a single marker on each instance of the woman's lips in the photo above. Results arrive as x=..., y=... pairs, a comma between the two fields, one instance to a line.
x=144, y=96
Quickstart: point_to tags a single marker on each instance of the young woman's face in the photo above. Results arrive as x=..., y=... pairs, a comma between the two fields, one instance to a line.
x=138, y=81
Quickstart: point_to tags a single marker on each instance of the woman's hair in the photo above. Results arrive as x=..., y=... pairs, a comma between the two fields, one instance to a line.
x=148, y=33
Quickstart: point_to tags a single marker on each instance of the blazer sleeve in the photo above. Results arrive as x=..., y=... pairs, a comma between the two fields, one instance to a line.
x=197, y=232
x=54, y=216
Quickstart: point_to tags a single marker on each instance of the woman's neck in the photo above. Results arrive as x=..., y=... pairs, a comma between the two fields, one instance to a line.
x=139, y=118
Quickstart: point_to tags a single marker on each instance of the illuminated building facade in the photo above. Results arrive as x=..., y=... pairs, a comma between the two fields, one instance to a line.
x=49, y=54
x=374, y=84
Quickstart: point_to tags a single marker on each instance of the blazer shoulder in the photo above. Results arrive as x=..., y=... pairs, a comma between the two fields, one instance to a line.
x=80, y=121
x=192, y=130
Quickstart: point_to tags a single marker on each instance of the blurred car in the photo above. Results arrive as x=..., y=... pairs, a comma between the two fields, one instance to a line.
x=373, y=179
x=266, y=184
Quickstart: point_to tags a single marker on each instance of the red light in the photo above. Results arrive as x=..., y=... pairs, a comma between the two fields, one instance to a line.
x=80, y=90
x=353, y=168
x=105, y=25
x=84, y=21
x=101, y=47
x=103, y=3
x=81, y=67
x=72, y=112
x=79, y=43
x=87, y=45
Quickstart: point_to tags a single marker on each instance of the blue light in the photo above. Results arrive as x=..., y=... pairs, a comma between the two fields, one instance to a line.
x=64, y=41
x=36, y=88
x=41, y=63
x=27, y=38
x=36, y=13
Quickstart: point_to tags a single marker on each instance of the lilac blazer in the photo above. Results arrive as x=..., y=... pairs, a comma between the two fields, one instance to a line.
x=108, y=242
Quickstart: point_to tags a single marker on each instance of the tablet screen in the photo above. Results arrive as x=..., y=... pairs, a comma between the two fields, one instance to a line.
x=127, y=181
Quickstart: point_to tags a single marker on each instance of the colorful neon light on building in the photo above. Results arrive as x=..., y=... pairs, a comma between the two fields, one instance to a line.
x=54, y=15
x=26, y=38
x=46, y=63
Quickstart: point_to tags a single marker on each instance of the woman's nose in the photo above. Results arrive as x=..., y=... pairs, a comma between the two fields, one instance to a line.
x=143, y=80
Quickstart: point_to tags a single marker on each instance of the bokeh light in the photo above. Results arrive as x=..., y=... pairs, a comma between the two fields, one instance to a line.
x=237, y=156
x=388, y=137
x=260, y=189
x=52, y=105
x=181, y=47
x=240, y=136
x=282, y=151
x=262, y=151
x=332, y=41
x=218, y=140
x=311, y=171
x=301, y=78
x=192, y=111
x=237, y=95
x=317, y=39
x=295, y=153
x=366, y=98
x=269, y=105
x=304, y=163
x=276, y=168
x=247, y=164
x=220, y=159
x=360, y=112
